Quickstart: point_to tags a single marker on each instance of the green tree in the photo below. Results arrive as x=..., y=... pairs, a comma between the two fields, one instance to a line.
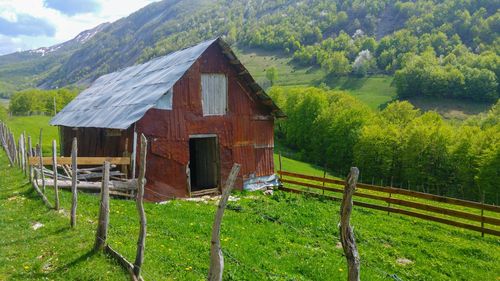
x=336, y=63
x=272, y=74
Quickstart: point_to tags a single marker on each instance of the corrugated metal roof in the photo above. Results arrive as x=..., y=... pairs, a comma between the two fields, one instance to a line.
x=119, y=99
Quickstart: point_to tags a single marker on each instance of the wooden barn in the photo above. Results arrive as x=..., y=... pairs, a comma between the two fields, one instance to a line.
x=200, y=110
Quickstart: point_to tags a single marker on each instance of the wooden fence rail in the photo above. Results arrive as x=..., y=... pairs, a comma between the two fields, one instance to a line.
x=80, y=160
x=318, y=183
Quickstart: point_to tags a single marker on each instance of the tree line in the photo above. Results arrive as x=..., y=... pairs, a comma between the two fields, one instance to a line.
x=399, y=146
x=37, y=101
x=361, y=38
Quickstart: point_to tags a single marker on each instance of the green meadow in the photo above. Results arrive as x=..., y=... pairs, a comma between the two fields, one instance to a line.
x=278, y=237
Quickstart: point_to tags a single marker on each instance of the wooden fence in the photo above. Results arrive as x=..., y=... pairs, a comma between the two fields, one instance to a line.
x=30, y=159
x=412, y=200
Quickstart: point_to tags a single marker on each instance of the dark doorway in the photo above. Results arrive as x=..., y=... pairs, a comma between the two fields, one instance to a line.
x=203, y=163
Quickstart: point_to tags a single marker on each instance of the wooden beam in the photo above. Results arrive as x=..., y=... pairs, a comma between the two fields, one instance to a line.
x=81, y=160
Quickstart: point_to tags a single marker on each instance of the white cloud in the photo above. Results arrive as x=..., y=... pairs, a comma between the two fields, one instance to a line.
x=67, y=27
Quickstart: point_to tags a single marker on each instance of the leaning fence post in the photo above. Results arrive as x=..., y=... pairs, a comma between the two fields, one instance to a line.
x=216, y=257
x=141, y=181
x=102, y=226
x=74, y=198
x=5, y=144
x=19, y=154
x=13, y=148
x=30, y=154
x=54, y=167
x=41, y=161
x=346, y=232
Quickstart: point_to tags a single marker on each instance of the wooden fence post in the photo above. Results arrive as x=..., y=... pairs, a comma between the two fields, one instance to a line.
x=281, y=168
x=324, y=177
x=41, y=161
x=389, y=203
x=141, y=181
x=23, y=153
x=30, y=154
x=482, y=215
x=5, y=144
x=74, y=198
x=19, y=155
x=102, y=226
x=13, y=151
x=54, y=167
x=216, y=257
x=133, y=157
x=37, y=172
x=346, y=232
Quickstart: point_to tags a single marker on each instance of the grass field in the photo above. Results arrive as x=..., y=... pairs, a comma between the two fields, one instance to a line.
x=375, y=91
x=31, y=125
x=279, y=237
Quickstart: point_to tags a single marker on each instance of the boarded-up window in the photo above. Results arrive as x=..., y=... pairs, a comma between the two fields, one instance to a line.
x=165, y=102
x=214, y=94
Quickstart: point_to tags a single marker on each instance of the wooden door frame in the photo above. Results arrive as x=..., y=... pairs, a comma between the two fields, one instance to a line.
x=217, y=159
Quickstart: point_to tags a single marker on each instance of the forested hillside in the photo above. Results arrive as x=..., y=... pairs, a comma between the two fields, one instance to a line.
x=399, y=146
x=455, y=42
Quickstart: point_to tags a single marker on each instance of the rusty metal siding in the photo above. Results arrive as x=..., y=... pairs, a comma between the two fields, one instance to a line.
x=263, y=133
x=244, y=133
x=264, y=161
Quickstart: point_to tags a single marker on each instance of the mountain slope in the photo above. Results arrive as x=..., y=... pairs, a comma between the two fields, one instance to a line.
x=286, y=26
x=25, y=69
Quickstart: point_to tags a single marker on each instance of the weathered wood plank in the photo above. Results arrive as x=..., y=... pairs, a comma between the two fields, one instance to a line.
x=82, y=160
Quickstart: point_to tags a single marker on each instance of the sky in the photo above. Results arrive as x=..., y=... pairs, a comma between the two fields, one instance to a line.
x=31, y=24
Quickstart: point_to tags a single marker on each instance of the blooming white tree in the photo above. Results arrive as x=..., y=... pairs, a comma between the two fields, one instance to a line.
x=363, y=63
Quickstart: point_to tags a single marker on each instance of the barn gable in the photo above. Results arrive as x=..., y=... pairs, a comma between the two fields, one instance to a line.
x=121, y=98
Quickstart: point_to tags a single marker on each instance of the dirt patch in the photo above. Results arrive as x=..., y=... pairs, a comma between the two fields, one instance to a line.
x=404, y=261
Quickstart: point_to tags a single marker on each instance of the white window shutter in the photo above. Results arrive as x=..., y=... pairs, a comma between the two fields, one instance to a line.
x=214, y=94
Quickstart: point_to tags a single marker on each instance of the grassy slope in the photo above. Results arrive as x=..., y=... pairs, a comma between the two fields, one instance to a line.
x=376, y=91
x=283, y=237
x=31, y=125
x=54, y=251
